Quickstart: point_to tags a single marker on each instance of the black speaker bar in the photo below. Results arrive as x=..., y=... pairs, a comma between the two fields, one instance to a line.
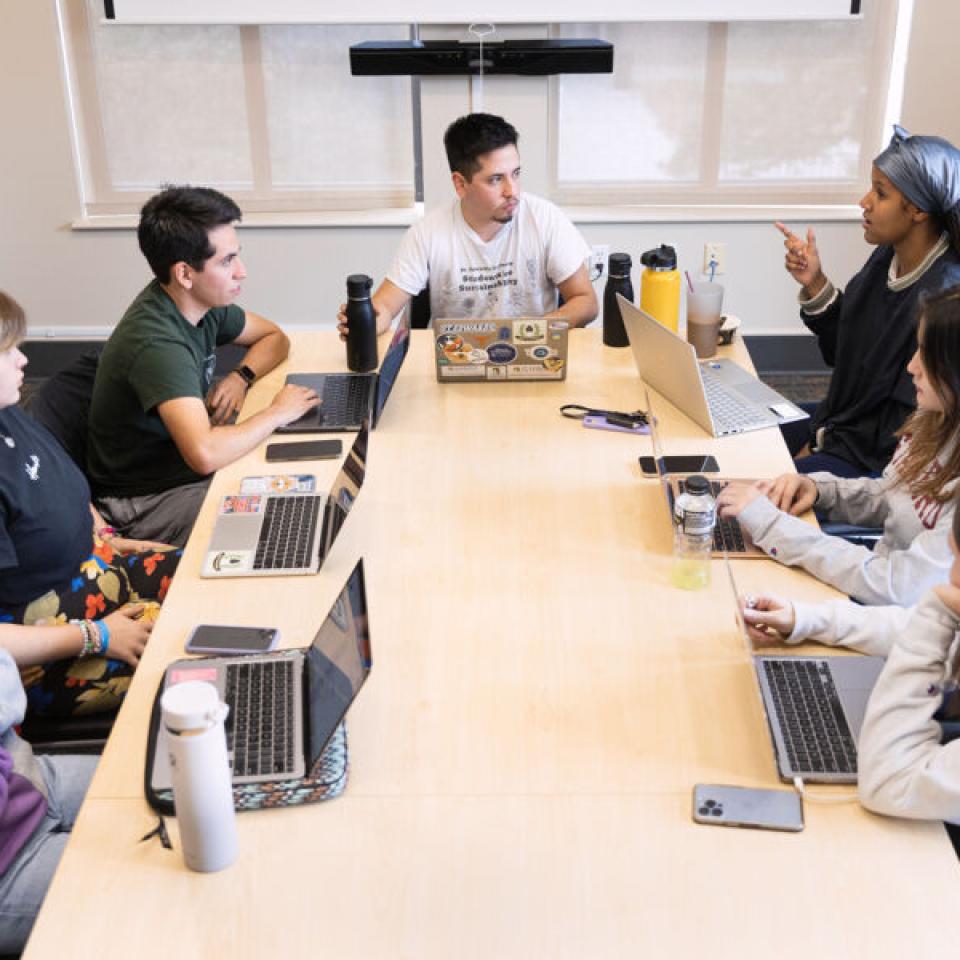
x=390, y=58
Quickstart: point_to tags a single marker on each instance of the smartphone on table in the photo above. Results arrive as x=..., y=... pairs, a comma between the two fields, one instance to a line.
x=217, y=638
x=304, y=450
x=687, y=463
x=726, y=806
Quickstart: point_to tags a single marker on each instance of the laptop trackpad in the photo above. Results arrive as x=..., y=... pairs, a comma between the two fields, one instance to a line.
x=236, y=533
x=855, y=678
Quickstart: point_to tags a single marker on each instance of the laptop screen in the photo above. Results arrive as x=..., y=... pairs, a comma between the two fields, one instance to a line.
x=390, y=367
x=346, y=486
x=337, y=663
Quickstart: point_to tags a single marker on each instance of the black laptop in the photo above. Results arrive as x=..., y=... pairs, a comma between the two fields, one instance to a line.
x=350, y=398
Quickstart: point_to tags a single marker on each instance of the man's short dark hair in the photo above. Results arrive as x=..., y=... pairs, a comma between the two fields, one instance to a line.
x=474, y=135
x=175, y=226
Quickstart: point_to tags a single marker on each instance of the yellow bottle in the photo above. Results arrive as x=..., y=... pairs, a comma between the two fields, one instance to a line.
x=660, y=286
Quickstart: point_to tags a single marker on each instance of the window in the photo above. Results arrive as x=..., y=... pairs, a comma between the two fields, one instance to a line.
x=268, y=114
x=725, y=113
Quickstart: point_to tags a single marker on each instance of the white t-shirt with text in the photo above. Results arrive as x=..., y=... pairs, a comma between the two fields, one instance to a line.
x=513, y=275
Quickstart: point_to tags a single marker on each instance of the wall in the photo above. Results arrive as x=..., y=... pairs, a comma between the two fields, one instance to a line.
x=82, y=280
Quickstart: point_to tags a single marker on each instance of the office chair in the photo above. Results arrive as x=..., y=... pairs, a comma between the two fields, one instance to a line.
x=62, y=404
x=420, y=310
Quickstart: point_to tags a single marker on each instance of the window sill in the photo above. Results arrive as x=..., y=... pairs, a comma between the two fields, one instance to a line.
x=385, y=217
x=707, y=213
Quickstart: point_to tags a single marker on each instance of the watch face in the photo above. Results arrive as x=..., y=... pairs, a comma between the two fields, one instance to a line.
x=246, y=373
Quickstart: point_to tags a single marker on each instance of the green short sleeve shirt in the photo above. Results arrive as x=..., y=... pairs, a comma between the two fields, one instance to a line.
x=154, y=355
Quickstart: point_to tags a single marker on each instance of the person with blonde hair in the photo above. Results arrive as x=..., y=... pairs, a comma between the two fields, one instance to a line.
x=70, y=589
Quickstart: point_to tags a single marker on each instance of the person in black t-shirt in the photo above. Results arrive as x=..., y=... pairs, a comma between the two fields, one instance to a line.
x=69, y=589
x=868, y=332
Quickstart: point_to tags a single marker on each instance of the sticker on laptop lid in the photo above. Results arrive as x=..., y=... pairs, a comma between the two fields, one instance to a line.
x=529, y=330
x=279, y=483
x=502, y=352
x=187, y=674
x=248, y=504
x=229, y=561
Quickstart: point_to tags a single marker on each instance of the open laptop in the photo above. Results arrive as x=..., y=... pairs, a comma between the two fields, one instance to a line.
x=494, y=349
x=351, y=398
x=286, y=705
x=282, y=534
x=717, y=394
x=728, y=537
x=814, y=708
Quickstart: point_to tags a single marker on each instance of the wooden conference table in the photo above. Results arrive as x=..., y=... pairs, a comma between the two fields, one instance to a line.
x=522, y=757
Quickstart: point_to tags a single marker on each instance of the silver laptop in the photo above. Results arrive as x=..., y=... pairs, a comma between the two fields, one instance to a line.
x=284, y=706
x=814, y=707
x=717, y=394
x=270, y=535
x=494, y=349
x=351, y=398
x=728, y=536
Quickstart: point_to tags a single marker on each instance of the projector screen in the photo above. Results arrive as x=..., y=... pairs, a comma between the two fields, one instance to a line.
x=490, y=11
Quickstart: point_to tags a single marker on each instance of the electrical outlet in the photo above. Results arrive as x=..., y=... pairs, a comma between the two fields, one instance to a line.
x=599, y=257
x=716, y=253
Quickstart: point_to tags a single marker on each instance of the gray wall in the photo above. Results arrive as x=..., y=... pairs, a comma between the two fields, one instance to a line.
x=80, y=281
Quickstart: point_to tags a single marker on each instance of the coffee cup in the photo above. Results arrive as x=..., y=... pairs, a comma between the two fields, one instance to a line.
x=704, y=303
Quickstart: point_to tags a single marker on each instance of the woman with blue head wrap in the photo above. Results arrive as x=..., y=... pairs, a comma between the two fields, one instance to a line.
x=867, y=332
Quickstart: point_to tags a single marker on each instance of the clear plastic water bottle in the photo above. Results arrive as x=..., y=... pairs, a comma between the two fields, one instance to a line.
x=695, y=516
x=618, y=281
x=361, y=325
x=200, y=771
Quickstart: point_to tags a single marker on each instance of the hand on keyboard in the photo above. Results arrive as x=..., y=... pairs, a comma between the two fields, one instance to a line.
x=793, y=492
x=738, y=493
x=293, y=401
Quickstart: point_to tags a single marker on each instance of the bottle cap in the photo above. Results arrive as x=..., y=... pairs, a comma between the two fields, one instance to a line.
x=358, y=286
x=619, y=265
x=191, y=705
x=696, y=484
x=660, y=258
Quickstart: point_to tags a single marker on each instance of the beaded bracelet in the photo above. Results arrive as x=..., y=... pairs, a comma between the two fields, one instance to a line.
x=92, y=637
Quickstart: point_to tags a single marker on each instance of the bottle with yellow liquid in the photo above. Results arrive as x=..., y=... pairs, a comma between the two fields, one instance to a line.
x=660, y=286
x=694, y=514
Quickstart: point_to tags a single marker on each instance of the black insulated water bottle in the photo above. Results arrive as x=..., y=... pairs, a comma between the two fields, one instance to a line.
x=361, y=325
x=618, y=281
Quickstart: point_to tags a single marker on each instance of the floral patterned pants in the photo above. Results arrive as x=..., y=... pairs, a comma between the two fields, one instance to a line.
x=105, y=582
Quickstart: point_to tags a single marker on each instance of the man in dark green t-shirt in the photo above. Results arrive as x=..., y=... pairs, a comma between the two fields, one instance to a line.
x=158, y=429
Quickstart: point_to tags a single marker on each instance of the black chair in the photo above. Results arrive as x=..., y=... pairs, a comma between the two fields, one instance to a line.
x=62, y=405
x=86, y=735
x=419, y=310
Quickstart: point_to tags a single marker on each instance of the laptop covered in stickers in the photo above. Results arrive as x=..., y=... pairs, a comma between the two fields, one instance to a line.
x=494, y=349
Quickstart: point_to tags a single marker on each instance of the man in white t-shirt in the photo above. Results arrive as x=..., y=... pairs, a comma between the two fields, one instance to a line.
x=494, y=251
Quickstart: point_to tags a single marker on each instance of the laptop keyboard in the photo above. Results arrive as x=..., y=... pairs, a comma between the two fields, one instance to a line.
x=260, y=724
x=727, y=535
x=814, y=728
x=730, y=415
x=287, y=534
x=346, y=399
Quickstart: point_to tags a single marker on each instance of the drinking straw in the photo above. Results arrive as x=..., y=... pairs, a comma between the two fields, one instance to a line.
x=686, y=273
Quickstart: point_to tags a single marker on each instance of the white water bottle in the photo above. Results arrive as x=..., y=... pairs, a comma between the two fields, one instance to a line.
x=200, y=770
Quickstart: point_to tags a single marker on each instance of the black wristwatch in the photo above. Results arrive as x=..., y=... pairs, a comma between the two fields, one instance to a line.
x=246, y=373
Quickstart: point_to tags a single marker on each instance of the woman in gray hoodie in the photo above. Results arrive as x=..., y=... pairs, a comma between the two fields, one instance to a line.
x=912, y=500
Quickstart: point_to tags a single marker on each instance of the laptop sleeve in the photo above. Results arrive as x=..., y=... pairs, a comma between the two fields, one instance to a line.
x=326, y=781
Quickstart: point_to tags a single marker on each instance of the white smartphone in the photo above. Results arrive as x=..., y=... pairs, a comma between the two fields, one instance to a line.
x=211, y=638
x=725, y=806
